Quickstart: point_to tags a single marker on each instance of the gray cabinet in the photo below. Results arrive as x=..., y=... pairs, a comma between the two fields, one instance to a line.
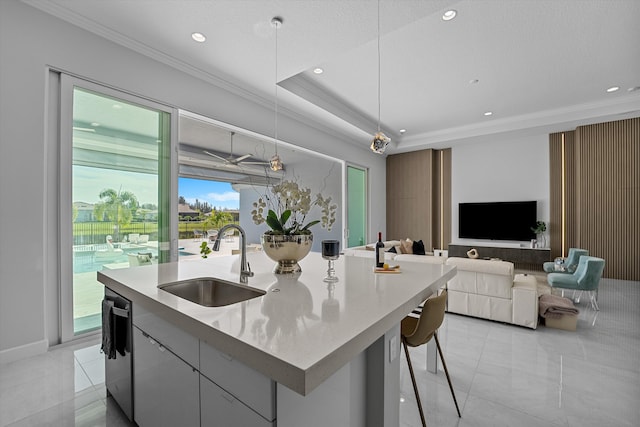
x=221, y=409
x=179, y=380
x=254, y=389
x=525, y=258
x=166, y=388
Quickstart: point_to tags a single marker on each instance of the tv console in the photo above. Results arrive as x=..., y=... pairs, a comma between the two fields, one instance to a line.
x=522, y=258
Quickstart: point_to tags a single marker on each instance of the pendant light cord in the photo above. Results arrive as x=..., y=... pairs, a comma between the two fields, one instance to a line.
x=378, y=65
x=277, y=24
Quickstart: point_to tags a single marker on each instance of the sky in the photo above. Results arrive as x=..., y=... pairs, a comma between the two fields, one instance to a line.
x=89, y=182
x=217, y=194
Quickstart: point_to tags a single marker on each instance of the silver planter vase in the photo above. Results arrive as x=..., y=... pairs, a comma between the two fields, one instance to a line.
x=287, y=251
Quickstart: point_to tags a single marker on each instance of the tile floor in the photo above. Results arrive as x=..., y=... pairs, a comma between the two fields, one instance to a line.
x=503, y=375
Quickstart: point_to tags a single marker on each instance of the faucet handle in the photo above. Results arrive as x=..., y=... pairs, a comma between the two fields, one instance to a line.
x=248, y=271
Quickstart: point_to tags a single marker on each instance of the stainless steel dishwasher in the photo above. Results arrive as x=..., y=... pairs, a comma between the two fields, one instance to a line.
x=119, y=369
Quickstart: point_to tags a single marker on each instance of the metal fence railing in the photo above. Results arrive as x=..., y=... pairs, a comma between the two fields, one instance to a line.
x=96, y=232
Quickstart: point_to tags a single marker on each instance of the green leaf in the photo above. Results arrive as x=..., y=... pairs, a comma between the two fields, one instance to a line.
x=273, y=222
x=310, y=224
x=285, y=217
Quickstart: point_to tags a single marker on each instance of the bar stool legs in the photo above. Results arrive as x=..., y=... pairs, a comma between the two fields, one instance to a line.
x=413, y=380
x=446, y=371
x=415, y=385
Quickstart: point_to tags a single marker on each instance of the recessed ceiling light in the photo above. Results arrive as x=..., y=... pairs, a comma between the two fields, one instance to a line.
x=403, y=130
x=633, y=89
x=474, y=81
x=318, y=70
x=613, y=89
x=449, y=15
x=488, y=113
x=199, y=37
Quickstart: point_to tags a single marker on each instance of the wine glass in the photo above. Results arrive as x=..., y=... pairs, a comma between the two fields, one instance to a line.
x=330, y=252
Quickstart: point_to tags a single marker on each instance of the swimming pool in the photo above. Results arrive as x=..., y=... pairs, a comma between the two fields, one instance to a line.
x=85, y=261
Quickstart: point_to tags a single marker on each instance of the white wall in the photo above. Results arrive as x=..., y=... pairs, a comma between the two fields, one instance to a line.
x=29, y=42
x=500, y=171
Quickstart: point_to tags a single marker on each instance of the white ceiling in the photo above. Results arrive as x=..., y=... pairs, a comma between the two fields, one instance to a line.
x=541, y=65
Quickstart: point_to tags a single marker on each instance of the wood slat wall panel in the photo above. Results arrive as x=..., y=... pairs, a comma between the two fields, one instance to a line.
x=602, y=194
x=446, y=232
x=555, y=194
x=409, y=196
x=609, y=194
x=571, y=193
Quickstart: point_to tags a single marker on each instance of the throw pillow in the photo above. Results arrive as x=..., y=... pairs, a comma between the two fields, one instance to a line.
x=406, y=246
x=418, y=248
x=392, y=250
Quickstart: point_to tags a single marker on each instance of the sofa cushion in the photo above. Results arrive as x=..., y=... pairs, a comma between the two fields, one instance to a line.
x=387, y=244
x=420, y=258
x=503, y=268
x=490, y=278
x=418, y=248
x=406, y=246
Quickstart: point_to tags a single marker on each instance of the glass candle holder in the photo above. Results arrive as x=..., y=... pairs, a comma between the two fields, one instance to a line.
x=331, y=252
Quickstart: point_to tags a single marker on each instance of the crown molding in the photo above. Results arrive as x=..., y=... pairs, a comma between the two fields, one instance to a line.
x=225, y=83
x=541, y=121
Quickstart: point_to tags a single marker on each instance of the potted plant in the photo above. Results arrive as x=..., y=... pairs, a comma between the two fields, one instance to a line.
x=539, y=229
x=204, y=250
x=289, y=237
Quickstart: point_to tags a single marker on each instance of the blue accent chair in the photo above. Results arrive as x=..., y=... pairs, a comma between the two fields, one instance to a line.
x=586, y=278
x=570, y=262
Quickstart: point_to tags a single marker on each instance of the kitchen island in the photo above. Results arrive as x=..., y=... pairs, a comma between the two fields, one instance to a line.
x=329, y=352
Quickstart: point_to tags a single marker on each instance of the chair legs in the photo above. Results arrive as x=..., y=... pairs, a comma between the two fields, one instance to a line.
x=593, y=296
x=413, y=380
x=446, y=371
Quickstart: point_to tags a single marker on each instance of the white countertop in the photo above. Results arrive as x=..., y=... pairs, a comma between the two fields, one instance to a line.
x=300, y=334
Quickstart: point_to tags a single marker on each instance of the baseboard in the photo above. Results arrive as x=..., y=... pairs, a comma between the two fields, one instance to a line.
x=23, y=351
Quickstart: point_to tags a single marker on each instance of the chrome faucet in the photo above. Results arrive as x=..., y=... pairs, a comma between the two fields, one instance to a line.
x=245, y=268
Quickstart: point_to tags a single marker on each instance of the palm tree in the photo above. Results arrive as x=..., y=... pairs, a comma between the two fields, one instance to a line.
x=118, y=207
x=218, y=219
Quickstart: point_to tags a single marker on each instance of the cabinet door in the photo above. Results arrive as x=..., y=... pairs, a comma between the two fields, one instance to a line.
x=220, y=409
x=250, y=386
x=166, y=391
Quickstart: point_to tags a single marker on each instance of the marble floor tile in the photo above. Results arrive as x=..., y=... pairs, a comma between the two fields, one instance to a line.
x=503, y=375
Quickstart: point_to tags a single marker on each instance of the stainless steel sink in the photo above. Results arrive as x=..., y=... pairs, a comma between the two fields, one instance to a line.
x=211, y=292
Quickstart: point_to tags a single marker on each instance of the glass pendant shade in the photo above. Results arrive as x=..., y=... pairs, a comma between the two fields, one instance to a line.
x=380, y=142
x=275, y=163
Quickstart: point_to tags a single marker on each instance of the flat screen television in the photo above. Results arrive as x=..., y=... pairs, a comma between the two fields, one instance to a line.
x=497, y=220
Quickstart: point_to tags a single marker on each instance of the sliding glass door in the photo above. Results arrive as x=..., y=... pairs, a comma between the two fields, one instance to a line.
x=116, y=193
x=356, y=206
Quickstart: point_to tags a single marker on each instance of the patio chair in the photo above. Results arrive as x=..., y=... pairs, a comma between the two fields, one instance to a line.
x=586, y=278
x=570, y=262
x=212, y=235
x=197, y=234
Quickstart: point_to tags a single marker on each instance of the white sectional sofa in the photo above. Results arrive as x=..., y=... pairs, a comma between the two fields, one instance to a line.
x=490, y=290
x=369, y=251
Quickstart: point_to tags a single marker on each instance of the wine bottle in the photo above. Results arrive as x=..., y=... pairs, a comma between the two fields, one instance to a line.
x=379, y=251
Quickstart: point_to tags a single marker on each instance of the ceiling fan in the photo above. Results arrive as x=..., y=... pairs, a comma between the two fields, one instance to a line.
x=237, y=161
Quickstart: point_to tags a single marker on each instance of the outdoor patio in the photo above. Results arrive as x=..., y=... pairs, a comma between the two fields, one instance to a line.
x=88, y=292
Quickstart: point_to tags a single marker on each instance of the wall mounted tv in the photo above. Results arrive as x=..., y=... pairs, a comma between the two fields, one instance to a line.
x=497, y=220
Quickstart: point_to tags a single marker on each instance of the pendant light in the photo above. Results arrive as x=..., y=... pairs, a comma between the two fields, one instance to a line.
x=380, y=140
x=275, y=163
